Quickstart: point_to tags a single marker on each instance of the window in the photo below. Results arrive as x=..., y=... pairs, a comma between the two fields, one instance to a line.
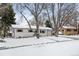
x=75, y=29
x=68, y=29
x=42, y=31
x=30, y=30
x=19, y=30
x=62, y=30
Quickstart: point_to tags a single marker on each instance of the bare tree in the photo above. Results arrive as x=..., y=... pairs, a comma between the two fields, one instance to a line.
x=65, y=13
x=35, y=9
x=21, y=9
x=47, y=9
x=40, y=19
x=61, y=14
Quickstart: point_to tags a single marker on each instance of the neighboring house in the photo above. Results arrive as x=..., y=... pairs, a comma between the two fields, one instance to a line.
x=69, y=30
x=78, y=26
x=23, y=31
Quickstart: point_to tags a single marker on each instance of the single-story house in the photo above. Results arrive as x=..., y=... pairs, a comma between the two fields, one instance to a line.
x=69, y=30
x=23, y=31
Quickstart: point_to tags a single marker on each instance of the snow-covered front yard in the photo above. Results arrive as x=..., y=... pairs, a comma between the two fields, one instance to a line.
x=62, y=45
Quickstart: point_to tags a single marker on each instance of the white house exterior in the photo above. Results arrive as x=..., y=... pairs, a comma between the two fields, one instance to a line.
x=23, y=31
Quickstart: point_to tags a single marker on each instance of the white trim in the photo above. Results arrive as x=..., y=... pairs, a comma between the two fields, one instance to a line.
x=69, y=27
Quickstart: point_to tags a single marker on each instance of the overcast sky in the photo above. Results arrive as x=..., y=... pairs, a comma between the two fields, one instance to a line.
x=21, y=20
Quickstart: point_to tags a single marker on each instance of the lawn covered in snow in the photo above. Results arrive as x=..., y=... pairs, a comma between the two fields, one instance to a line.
x=43, y=46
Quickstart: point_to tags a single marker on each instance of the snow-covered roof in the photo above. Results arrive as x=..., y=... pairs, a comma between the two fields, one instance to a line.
x=78, y=22
x=70, y=27
x=25, y=26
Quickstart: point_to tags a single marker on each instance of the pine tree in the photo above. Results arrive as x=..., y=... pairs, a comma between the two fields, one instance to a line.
x=7, y=20
x=48, y=24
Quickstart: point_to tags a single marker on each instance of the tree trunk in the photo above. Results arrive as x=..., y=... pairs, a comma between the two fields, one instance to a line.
x=37, y=27
x=53, y=18
x=56, y=31
x=26, y=20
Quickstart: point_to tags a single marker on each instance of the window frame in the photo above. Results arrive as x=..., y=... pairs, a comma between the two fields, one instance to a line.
x=68, y=30
x=42, y=31
x=75, y=29
x=19, y=30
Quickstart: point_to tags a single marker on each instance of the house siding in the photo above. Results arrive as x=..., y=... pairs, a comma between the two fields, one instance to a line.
x=26, y=33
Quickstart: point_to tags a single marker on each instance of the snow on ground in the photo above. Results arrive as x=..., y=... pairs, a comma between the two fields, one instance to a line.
x=11, y=42
x=73, y=36
x=43, y=46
